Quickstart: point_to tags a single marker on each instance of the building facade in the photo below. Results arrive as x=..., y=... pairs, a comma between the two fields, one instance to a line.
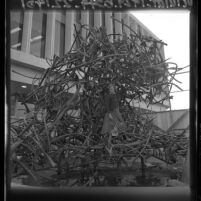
x=39, y=35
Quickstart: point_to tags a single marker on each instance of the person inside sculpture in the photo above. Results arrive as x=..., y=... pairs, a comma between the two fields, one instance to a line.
x=113, y=123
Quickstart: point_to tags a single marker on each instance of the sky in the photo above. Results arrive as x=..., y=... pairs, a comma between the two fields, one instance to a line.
x=172, y=27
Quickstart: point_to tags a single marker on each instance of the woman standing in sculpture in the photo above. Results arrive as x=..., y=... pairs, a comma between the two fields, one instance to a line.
x=113, y=123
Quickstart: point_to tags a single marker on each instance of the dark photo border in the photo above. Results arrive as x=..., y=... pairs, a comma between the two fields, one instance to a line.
x=114, y=193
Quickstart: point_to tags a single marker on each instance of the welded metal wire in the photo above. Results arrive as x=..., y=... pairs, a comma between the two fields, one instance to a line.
x=70, y=98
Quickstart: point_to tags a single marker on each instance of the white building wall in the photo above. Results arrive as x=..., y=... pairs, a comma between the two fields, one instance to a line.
x=23, y=74
x=177, y=119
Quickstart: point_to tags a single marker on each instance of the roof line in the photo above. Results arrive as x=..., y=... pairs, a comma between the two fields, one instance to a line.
x=145, y=27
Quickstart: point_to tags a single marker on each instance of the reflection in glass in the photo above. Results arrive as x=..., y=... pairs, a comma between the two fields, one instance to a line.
x=16, y=30
x=38, y=32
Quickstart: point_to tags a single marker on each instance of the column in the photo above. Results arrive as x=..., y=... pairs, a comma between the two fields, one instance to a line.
x=97, y=19
x=108, y=23
x=142, y=31
x=69, y=29
x=126, y=20
x=50, y=35
x=118, y=26
x=26, y=34
x=84, y=20
x=133, y=25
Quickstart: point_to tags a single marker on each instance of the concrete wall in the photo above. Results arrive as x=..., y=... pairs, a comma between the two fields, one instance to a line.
x=175, y=119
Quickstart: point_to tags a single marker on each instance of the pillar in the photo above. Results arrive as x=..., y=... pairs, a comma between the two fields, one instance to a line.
x=69, y=29
x=118, y=26
x=84, y=20
x=108, y=23
x=50, y=35
x=26, y=34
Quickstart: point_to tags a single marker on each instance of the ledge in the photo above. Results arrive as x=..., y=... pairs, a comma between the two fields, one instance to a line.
x=29, y=60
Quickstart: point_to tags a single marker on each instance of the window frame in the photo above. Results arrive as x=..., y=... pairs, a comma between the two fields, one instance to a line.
x=42, y=32
x=61, y=52
x=20, y=30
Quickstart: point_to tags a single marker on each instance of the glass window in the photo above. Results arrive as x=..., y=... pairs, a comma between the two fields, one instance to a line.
x=78, y=20
x=103, y=18
x=91, y=18
x=59, y=44
x=61, y=15
x=38, y=33
x=16, y=21
x=113, y=25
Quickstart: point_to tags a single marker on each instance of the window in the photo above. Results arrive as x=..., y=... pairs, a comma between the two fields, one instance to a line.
x=103, y=18
x=18, y=92
x=59, y=38
x=61, y=15
x=38, y=33
x=16, y=29
x=113, y=25
x=91, y=18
